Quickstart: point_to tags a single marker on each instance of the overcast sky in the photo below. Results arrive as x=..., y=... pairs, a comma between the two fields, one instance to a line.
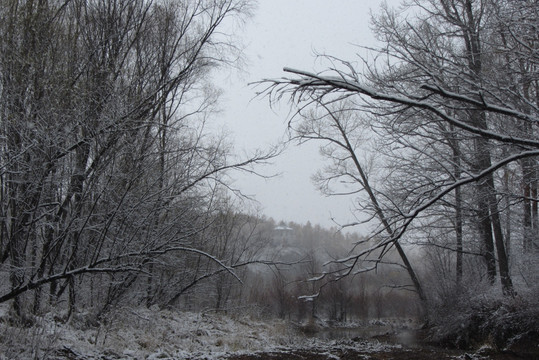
x=288, y=33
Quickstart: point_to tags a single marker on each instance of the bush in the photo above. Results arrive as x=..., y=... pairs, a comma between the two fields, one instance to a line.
x=504, y=323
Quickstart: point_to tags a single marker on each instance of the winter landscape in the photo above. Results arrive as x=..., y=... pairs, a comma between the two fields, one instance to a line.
x=148, y=211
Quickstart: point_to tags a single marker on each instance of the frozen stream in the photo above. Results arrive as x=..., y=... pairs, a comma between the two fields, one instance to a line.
x=342, y=333
x=369, y=342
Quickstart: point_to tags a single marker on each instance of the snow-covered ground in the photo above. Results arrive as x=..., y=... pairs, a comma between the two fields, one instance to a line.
x=141, y=333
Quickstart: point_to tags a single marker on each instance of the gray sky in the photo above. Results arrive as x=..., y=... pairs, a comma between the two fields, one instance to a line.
x=288, y=33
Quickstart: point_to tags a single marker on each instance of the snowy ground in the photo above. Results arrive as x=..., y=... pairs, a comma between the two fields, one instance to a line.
x=140, y=333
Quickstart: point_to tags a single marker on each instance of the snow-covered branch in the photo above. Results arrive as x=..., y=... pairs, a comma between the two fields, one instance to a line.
x=319, y=85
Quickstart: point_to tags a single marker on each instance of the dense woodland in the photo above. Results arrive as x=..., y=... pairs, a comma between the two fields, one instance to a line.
x=114, y=191
x=109, y=176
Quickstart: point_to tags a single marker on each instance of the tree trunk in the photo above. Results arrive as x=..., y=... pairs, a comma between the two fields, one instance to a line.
x=485, y=232
x=454, y=142
x=527, y=205
x=380, y=213
x=458, y=235
x=470, y=29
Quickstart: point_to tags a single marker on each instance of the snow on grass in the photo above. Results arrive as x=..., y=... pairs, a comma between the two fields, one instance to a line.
x=141, y=333
x=165, y=334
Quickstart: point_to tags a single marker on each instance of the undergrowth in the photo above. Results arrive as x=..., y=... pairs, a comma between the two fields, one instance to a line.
x=504, y=323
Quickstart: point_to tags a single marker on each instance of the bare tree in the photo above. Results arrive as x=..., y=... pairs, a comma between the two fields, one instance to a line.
x=106, y=163
x=436, y=84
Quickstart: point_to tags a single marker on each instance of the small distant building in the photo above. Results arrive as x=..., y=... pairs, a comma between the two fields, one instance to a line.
x=283, y=235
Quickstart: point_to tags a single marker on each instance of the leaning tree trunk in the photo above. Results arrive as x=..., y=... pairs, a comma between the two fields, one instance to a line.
x=380, y=213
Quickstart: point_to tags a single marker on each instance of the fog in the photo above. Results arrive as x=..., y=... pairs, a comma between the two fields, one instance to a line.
x=292, y=34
